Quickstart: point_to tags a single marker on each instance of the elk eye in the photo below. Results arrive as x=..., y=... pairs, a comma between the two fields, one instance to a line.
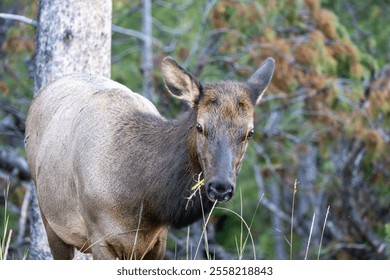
x=199, y=128
x=250, y=133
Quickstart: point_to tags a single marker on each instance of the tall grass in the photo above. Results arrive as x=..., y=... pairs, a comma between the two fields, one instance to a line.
x=290, y=242
x=5, y=238
x=241, y=241
x=292, y=219
x=323, y=231
x=204, y=232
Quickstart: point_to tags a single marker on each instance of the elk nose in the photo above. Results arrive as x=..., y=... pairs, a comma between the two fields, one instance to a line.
x=219, y=190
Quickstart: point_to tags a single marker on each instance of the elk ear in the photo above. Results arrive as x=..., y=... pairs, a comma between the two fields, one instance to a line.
x=261, y=79
x=180, y=83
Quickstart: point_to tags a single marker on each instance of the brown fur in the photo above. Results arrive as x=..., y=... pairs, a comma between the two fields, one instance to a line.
x=112, y=174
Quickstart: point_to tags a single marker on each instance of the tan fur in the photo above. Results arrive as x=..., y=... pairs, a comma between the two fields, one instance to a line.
x=112, y=175
x=51, y=134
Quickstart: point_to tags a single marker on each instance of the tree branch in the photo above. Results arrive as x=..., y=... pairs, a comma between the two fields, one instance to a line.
x=135, y=34
x=174, y=31
x=176, y=6
x=19, y=18
x=265, y=201
x=115, y=28
x=23, y=218
x=195, y=45
x=11, y=161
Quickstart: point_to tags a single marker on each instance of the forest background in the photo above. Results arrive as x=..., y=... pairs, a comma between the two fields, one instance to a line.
x=316, y=177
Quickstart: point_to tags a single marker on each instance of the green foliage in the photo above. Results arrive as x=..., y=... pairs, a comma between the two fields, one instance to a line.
x=365, y=24
x=387, y=228
x=15, y=83
x=325, y=52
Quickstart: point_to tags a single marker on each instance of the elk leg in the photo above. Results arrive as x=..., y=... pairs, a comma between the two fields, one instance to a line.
x=103, y=252
x=59, y=249
x=158, y=251
x=105, y=248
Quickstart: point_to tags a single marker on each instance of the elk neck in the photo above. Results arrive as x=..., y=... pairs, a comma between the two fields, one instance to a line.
x=183, y=172
x=170, y=168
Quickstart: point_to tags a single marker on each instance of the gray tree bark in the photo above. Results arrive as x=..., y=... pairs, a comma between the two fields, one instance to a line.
x=72, y=36
x=147, y=53
x=309, y=200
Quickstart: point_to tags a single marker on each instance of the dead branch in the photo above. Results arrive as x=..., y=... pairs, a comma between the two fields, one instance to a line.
x=19, y=18
x=196, y=44
x=174, y=5
x=12, y=162
x=115, y=28
x=23, y=218
x=352, y=181
x=135, y=34
x=174, y=31
x=265, y=201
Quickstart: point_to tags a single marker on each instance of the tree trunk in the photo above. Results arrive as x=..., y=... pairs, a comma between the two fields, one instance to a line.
x=72, y=36
x=309, y=198
x=147, y=52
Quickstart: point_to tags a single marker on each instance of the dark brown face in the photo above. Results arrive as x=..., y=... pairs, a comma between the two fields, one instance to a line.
x=224, y=125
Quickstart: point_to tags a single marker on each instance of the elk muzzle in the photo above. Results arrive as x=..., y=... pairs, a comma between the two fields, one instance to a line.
x=220, y=175
x=219, y=189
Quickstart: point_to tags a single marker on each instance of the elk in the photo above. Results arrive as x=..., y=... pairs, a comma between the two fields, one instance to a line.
x=112, y=175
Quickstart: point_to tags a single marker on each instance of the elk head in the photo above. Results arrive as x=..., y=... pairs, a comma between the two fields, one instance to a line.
x=224, y=121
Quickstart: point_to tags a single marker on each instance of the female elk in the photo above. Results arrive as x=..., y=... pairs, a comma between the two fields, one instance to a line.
x=112, y=174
